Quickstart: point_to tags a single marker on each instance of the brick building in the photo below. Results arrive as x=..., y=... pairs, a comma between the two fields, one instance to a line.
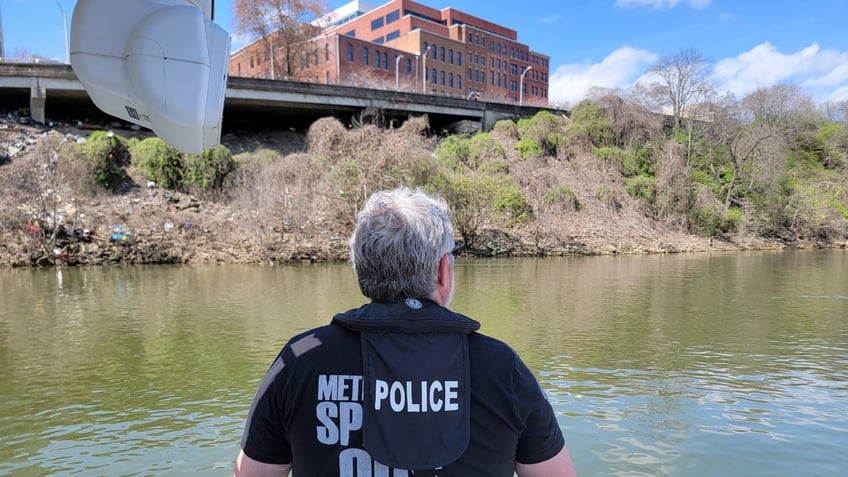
x=409, y=46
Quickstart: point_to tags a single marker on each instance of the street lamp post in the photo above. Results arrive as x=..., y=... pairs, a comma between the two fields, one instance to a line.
x=521, y=86
x=397, y=67
x=424, y=73
x=65, y=30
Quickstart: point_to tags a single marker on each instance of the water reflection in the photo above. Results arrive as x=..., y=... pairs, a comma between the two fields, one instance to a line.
x=730, y=364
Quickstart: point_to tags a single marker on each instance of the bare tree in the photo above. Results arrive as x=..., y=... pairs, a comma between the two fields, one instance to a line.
x=685, y=80
x=649, y=96
x=756, y=148
x=837, y=111
x=285, y=26
x=784, y=105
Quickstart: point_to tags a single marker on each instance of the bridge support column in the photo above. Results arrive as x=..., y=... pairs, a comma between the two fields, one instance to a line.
x=491, y=117
x=37, y=103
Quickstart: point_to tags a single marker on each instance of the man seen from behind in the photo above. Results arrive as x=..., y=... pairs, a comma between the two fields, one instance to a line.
x=401, y=386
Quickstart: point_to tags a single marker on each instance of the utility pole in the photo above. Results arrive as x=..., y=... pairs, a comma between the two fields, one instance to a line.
x=2, y=51
x=424, y=73
x=521, y=86
x=271, y=55
x=65, y=31
x=397, y=67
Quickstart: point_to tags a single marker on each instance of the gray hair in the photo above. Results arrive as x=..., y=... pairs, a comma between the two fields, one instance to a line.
x=399, y=238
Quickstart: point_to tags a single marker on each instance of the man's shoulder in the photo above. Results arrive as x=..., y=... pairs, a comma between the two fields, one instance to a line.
x=483, y=346
x=328, y=332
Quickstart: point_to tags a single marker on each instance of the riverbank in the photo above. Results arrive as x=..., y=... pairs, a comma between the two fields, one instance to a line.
x=145, y=224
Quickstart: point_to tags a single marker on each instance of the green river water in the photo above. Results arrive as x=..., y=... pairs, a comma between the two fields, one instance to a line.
x=669, y=365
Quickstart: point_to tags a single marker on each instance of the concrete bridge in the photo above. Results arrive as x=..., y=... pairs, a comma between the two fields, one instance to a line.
x=52, y=91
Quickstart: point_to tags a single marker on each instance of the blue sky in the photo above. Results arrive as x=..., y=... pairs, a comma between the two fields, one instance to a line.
x=605, y=43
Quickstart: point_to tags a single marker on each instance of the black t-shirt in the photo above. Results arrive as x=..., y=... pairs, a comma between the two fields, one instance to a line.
x=308, y=410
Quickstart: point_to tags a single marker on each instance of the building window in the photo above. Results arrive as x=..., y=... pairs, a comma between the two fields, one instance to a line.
x=351, y=34
x=425, y=47
x=378, y=41
x=435, y=51
x=376, y=59
x=327, y=53
x=365, y=56
x=459, y=82
x=376, y=23
x=492, y=78
x=450, y=56
x=442, y=76
x=459, y=58
x=393, y=16
x=450, y=80
x=433, y=76
x=385, y=60
x=470, y=38
x=408, y=66
x=391, y=36
x=442, y=54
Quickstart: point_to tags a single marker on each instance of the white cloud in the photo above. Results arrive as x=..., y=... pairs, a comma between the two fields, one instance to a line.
x=550, y=18
x=662, y=4
x=838, y=95
x=570, y=83
x=821, y=72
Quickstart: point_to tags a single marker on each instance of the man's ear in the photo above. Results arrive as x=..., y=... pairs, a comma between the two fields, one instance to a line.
x=444, y=280
x=443, y=276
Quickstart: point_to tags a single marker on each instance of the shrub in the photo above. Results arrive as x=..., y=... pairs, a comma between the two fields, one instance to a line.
x=510, y=205
x=641, y=187
x=506, y=128
x=453, y=153
x=479, y=199
x=562, y=197
x=529, y=149
x=209, y=169
x=107, y=153
x=326, y=139
x=703, y=177
x=544, y=129
x=160, y=162
x=589, y=126
x=494, y=167
x=482, y=148
x=816, y=209
x=608, y=197
x=622, y=160
x=833, y=138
